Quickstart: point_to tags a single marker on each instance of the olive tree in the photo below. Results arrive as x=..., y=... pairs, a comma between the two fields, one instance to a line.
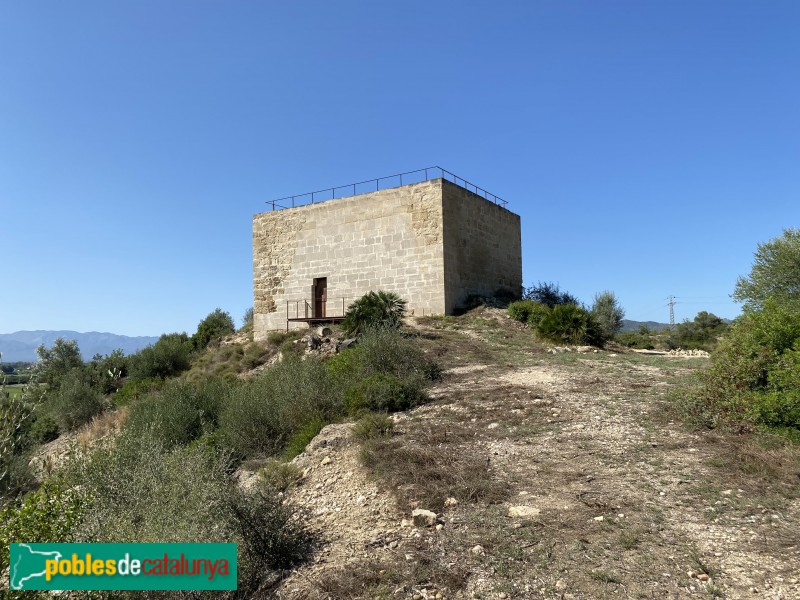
x=55, y=362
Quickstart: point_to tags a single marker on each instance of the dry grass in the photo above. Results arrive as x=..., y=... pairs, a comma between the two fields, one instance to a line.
x=432, y=464
x=430, y=571
x=625, y=492
x=765, y=460
x=230, y=359
x=107, y=423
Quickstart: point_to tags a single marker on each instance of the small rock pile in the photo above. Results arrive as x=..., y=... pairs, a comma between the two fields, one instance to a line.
x=688, y=353
x=562, y=349
x=321, y=341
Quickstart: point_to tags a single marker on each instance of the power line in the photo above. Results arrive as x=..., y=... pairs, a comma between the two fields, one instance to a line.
x=708, y=302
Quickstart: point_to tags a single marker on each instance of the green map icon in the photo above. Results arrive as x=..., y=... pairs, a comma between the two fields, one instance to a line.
x=27, y=564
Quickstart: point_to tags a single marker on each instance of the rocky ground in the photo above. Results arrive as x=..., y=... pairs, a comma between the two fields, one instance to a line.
x=538, y=474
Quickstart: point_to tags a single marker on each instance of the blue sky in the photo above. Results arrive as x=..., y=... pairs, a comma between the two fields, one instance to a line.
x=647, y=146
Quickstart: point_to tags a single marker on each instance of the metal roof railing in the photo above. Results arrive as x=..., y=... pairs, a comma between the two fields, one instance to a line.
x=374, y=185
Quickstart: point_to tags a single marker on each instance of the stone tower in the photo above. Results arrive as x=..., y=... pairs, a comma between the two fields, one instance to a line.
x=434, y=243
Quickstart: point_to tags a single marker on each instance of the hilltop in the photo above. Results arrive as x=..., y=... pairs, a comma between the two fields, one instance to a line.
x=528, y=471
x=551, y=473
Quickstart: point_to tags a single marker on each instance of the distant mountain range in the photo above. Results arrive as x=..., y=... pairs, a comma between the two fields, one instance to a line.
x=21, y=345
x=628, y=325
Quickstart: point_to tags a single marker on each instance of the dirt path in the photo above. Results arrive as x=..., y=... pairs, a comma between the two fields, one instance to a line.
x=598, y=493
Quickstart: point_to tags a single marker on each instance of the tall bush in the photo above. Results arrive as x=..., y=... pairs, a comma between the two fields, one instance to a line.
x=260, y=416
x=180, y=413
x=607, y=314
x=75, y=402
x=755, y=370
x=107, y=372
x=247, y=318
x=383, y=393
x=213, y=328
x=16, y=415
x=169, y=356
x=382, y=351
x=145, y=490
x=549, y=294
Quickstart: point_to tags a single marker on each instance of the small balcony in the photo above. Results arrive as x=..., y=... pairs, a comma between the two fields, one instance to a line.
x=317, y=311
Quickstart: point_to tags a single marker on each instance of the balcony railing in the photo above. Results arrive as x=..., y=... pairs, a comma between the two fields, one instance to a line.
x=382, y=183
x=306, y=311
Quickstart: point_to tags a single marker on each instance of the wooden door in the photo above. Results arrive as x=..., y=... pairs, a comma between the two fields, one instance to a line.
x=320, y=297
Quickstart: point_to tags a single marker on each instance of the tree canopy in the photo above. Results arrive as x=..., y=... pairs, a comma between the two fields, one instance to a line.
x=215, y=326
x=55, y=362
x=775, y=273
x=608, y=314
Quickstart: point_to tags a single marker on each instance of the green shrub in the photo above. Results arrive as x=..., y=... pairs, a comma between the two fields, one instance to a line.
x=566, y=323
x=374, y=310
x=50, y=514
x=775, y=274
x=76, y=402
x=247, y=319
x=270, y=531
x=254, y=355
x=785, y=374
x=278, y=338
x=382, y=351
x=135, y=389
x=228, y=353
x=44, y=428
x=755, y=370
x=16, y=413
x=779, y=409
x=301, y=438
x=169, y=356
x=107, y=372
x=702, y=332
x=167, y=476
x=146, y=491
x=260, y=416
x=383, y=393
x=521, y=310
x=180, y=412
x=373, y=426
x=607, y=314
x=537, y=312
x=291, y=349
x=643, y=338
x=213, y=328
x=549, y=294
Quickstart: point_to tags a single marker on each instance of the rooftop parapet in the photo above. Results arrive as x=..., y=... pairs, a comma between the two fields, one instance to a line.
x=374, y=185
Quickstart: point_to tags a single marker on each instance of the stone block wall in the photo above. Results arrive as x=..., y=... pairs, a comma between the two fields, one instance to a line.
x=433, y=243
x=390, y=240
x=482, y=247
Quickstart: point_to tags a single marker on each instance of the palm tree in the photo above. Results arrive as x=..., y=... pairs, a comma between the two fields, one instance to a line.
x=374, y=310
